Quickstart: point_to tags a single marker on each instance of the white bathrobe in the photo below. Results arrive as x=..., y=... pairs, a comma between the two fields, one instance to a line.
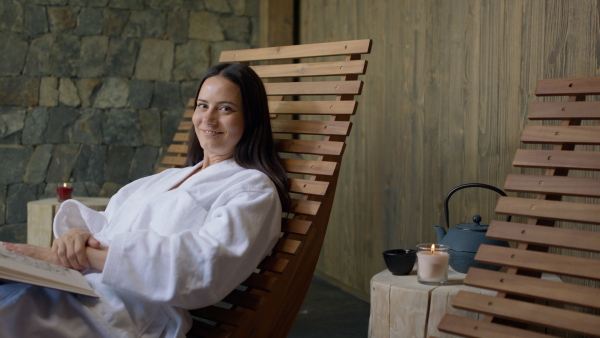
x=169, y=250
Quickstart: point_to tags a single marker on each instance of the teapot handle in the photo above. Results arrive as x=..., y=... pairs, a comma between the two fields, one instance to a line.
x=469, y=185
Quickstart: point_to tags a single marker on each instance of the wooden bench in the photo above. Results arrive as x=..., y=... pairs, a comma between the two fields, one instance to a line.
x=558, y=202
x=310, y=136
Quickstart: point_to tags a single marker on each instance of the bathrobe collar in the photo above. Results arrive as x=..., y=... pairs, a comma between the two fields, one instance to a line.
x=171, y=177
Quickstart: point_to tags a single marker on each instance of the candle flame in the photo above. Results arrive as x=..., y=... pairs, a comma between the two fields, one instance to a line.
x=64, y=185
x=432, y=248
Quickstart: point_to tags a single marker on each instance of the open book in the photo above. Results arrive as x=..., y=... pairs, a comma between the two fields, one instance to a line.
x=19, y=268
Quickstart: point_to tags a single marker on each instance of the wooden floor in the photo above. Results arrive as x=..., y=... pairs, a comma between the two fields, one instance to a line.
x=330, y=312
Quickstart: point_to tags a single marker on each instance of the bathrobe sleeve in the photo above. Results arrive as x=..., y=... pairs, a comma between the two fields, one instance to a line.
x=73, y=214
x=197, y=268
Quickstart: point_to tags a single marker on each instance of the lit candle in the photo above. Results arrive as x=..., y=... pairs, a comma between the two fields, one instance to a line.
x=64, y=193
x=432, y=263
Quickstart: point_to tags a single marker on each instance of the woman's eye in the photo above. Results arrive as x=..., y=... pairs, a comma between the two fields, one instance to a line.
x=225, y=108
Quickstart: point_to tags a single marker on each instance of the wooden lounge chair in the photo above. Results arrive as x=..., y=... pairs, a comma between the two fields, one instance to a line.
x=560, y=234
x=310, y=136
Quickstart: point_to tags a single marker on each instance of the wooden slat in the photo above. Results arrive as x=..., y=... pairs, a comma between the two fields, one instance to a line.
x=314, y=88
x=181, y=137
x=191, y=102
x=572, y=86
x=311, y=127
x=187, y=114
x=244, y=299
x=539, y=261
x=555, y=237
x=204, y=330
x=356, y=67
x=310, y=147
x=586, y=160
x=470, y=327
x=296, y=226
x=546, y=209
x=309, y=167
x=220, y=315
x=313, y=107
x=545, y=184
x=534, y=287
x=308, y=186
x=548, y=236
x=286, y=245
x=273, y=264
x=298, y=51
x=260, y=281
x=305, y=207
x=174, y=160
x=561, y=134
x=529, y=313
x=178, y=149
x=585, y=110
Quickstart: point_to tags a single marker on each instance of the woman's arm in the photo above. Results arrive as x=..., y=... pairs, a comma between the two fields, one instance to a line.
x=97, y=257
x=77, y=250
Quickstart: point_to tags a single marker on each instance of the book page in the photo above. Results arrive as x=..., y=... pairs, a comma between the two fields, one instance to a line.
x=26, y=269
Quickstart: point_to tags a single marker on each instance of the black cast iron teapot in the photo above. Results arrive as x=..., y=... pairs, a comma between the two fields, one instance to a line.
x=464, y=240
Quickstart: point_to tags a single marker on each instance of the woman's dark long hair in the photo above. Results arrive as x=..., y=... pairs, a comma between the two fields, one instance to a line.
x=256, y=149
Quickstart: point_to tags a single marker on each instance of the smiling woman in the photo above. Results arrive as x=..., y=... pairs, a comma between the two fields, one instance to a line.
x=180, y=239
x=218, y=119
x=235, y=90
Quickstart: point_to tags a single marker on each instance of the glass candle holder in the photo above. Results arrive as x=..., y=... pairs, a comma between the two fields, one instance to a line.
x=432, y=263
x=64, y=192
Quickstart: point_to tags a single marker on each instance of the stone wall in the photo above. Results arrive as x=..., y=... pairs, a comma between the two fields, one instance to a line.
x=91, y=91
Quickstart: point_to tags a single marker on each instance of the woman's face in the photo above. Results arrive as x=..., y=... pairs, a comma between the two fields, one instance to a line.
x=218, y=119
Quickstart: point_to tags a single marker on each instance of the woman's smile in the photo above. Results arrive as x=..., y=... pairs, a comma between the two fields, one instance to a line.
x=211, y=132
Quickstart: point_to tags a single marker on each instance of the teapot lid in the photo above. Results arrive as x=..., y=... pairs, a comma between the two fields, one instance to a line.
x=473, y=226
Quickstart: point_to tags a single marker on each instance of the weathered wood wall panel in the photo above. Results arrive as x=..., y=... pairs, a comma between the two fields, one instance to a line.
x=444, y=103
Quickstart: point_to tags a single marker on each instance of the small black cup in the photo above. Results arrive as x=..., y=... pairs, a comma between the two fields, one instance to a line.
x=400, y=261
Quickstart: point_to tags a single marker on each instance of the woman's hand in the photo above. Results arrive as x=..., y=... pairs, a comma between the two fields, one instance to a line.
x=37, y=252
x=70, y=248
x=94, y=253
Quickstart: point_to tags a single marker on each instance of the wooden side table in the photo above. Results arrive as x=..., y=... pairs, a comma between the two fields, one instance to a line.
x=40, y=215
x=402, y=307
